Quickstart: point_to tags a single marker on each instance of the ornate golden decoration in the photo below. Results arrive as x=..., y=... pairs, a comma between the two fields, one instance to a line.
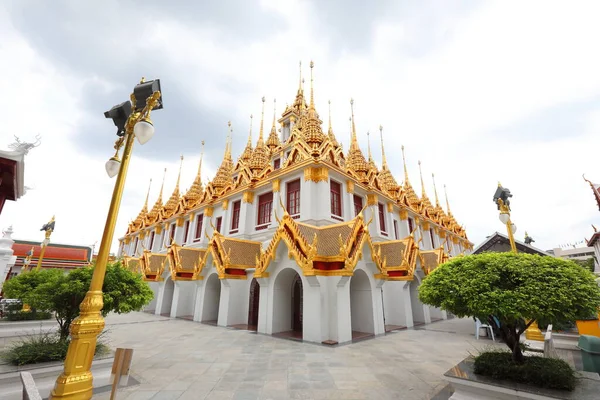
x=186, y=263
x=390, y=207
x=316, y=174
x=372, y=199
x=431, y=259
x=248, y=197
x=425, y=225
x=225, y=204
x=403, y=214
x=349, y=186
x=356, y=162
x=276, y=183
x=180, y=221
x=208, y=211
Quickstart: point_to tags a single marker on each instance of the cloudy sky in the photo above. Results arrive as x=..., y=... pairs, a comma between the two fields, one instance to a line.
x=479, y=91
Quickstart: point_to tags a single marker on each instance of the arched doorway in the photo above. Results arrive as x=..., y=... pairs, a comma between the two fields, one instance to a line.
x=297, y=303
x=361, y=305
x=167, y=297
x=212, y=297
x=288, y=304
x=253, y=305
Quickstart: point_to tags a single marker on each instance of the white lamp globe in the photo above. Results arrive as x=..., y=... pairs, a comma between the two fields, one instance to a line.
x=143, y=131
x=504, y=217
x=513, y=228
x=112, y=167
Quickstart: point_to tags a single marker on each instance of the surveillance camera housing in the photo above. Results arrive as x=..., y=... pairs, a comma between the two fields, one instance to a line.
x=119, y=115
x=143, y=91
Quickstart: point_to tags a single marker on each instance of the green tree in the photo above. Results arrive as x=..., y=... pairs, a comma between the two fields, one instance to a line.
x=123, y=292
x=587, y=264
x=514, y=288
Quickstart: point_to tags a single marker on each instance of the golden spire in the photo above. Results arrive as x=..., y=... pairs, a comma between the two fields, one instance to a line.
x=311, y=128
x=372, y=165
x=411, y=196
x=138, y=223
x=447, y=203
x=437, y=201
x=422, y=184
x=247, y=154
x=170, y=206
x=194, y=193
x=356, y=160
x=154, y=214
x=404, y=162
x=383, y=159
x=312, y=93
x=223, y=176
x=260, y=156
x=300, y=78
x=273, y=140
x=147, y=196
x=332, y=138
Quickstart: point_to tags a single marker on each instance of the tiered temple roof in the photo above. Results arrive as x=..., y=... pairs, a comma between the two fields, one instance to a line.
x=306, y=142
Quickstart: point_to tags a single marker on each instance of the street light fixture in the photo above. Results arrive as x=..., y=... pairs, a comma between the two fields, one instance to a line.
x=501, y=198
x=48, y=229
x=76, y=380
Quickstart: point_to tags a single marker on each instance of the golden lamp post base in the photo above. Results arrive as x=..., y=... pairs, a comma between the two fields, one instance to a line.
x=534, y=333
x=75, y=383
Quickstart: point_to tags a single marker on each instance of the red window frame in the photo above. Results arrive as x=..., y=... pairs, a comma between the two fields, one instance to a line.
x=335, y=190
x=396, y=229
x=410, y=225
x=293, y=197
x=219, y=223
x=186, y=230
x=152, y=235
x=169, y=239
x=277, y=163
x=381, y=218
x=235, y=216
x=199, y=221
x=135, y=248
x=432, y=238
x=358, y=204
x=265, y=206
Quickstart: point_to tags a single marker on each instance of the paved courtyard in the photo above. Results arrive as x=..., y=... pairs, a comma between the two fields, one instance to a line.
x=180, y=359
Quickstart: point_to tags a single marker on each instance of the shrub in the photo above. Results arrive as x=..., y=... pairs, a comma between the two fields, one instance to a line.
x=43, y=347
x=550, y=373
x=518, y=289
x=32, y=315
x=123, y=291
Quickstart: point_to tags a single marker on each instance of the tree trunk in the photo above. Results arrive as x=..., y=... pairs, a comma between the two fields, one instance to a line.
x=512, y=339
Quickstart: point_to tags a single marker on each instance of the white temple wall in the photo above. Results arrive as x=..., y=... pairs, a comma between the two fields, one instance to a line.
x=361, y=303
x=155, y=289
x=418, y=309
x=398, y=309
x=234, y=301
x=165, y=296
x=342, y=331
x=212, y=298
x=183, y=299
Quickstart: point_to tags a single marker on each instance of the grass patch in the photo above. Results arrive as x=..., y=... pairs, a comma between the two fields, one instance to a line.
x=549, y=373
x=43, y=347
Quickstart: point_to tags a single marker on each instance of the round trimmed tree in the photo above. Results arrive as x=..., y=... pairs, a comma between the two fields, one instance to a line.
x=515, y=288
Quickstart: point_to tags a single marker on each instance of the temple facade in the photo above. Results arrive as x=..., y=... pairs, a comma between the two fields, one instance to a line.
x=295, y=238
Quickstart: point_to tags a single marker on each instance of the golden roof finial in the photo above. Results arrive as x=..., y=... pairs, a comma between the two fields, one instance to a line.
x=147, y=196
x=369, y=146
x=200, y=163
x=437, y=201
x=447, y=203
x=262, y=119
x=162, y=186
x=422, y=184
x=312, y=95
x=330, y=130
x=273, y=141
x=247, y=154
x=404, y=162
x=383, y=160
x=300, y=78
x=250, y=132
x=228, y=140
x=353, y=137
x=179, y=174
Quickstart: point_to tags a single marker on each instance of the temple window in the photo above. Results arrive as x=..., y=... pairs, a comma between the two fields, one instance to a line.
x=135, y=247
x=358, y=204
x=277, y=163
x=219, y=222
x=285, y=132
x=171, y=236
x=432, y=238
x=199, y=220
x=293, y=197
x=152, y=235
x=235, y=216
x=336, y=199
x=265, y=205
x=410, y=225
x=382, y=218
x=186, y=230
x=396, y=230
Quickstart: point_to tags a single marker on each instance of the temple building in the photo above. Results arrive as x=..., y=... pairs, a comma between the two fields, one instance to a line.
x=594, y=241
x=295, y=238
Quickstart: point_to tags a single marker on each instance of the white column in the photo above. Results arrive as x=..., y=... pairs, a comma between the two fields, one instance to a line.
x=248, y=216
x=198, y=300
x=397, y=305
x=265, y=307
x=378, y=321
x=341, y=311
x=175, y=302
x=7, y=259
x=160, y=297
x=233, y=309
x=311, y=313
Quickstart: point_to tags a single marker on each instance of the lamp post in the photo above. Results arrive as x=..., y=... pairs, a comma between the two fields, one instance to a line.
x=501, y=198
x=132, y=118
x=48, y=228
x=27, y=260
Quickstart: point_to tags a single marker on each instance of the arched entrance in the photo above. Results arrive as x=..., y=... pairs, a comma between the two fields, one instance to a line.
x=212, y=297
x=297, y=304
x=253, y=305
x=167, y=297
x=361, y=305
x=288, y=304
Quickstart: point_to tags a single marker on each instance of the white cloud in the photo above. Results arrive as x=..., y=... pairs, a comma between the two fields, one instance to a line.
x=486, y=70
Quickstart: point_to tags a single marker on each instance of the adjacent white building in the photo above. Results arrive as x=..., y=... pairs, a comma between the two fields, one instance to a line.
x=296, y=238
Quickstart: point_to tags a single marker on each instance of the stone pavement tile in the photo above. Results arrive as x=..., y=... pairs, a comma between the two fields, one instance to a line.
x=300, y=394
x=178, y=385
x=275, y=386
x=220, y=395
x=298, y=385
x=352, y=385
x=254, y=385
x=167, y=395
x=273, y=395
x=246, y=394
x=320, y=385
